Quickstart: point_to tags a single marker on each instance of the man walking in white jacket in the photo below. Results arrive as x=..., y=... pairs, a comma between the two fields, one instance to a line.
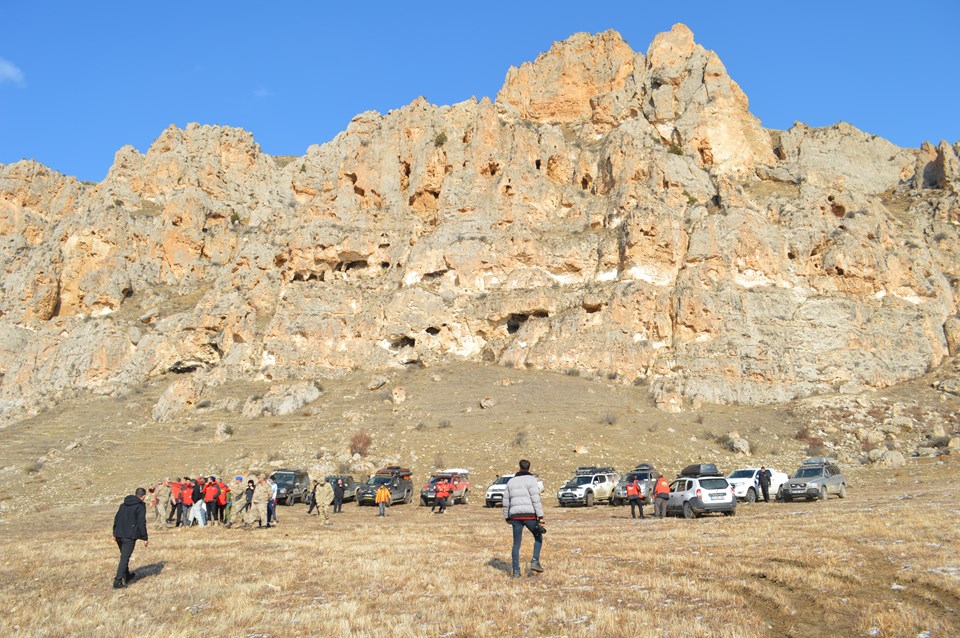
x=522, y=508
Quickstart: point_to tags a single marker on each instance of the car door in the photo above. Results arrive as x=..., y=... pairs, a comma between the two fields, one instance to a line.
x=677, y=489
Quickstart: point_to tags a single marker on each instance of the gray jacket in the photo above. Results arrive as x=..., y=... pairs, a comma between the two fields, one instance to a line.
x=522, y=497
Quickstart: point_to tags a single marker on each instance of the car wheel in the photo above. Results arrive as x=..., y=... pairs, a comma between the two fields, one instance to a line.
x=823, y=492
x=291, y=500
x=779, y=496
x=843, y=490
x=423, y=501
x=465, y=498
x=407, y=497
x=730, y=513
x=688, y=510
x=589, y=499
x=787, y=498
x=751, y=495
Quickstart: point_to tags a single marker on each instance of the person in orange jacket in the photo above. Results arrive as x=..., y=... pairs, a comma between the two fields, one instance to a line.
x=211, y=492
x=441, y=494
x=382, y=499
x=177, y=510
x=661, y=494
x=222, y=501
x=633, y=495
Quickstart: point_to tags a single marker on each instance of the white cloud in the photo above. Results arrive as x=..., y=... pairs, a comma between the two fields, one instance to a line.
x=9, y=72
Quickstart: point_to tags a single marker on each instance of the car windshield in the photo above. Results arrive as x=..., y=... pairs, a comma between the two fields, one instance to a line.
x=503, y=480
x=380, y=480
x=714, y=484
x=742, y=474
x=808, y=472
x=580, y=480
x=639, y=476
x=283, y=478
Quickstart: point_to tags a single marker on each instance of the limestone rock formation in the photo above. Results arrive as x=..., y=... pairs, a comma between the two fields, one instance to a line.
x=612, y=212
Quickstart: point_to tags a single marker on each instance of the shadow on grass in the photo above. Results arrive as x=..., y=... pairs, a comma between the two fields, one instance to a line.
x=502, y=565
x=153, y=569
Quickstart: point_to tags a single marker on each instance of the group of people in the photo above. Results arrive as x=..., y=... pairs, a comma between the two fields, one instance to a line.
x=205, y=501
x=323, y=495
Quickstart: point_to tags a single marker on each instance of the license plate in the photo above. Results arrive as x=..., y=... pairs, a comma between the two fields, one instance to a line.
x=716, y=497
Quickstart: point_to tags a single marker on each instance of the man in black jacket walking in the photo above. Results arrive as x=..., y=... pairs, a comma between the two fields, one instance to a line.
x=129, y=525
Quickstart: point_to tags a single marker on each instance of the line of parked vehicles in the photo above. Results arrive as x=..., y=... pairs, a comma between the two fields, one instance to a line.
x=698, y=489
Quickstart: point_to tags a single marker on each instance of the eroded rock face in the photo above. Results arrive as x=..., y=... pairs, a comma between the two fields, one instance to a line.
x=611, y=212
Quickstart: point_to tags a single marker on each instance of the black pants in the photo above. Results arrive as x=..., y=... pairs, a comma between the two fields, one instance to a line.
x=126, y=546
x=337, y=504
x=179, y=514
x=635, y=503
x=766, y=492
x=212, y=513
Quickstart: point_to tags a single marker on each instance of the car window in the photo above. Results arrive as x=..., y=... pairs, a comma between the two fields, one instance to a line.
x=676, y=486
x=601, y=479
x=742, y=474
x=714, y=484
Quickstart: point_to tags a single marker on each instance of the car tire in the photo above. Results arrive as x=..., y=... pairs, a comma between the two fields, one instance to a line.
x=589, y=499
x=291, y=500
x=751, y=495
x=688, y=510
x=843, y=491
x=407, y=497
x=823, y=492
x=730, y=513
x=423, y=501
x=787, y=498
x=465, y=498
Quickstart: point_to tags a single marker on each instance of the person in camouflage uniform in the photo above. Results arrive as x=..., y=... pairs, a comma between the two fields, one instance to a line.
x=261, y=496
x=324, y=500
x=163, y=504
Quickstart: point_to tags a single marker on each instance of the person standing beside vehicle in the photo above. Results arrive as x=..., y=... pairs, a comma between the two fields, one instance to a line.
x=441, y=494
x=260, y=502
x=324, y=499
x=522, y=508
x=382, y=499
x=272, y=504
x=338, y=493
x=763, y=479
x=313, y=497
x=129, y=526
x=633, y=495
x=661, y=494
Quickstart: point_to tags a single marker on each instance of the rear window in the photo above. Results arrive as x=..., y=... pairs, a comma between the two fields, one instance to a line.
x=714, y=484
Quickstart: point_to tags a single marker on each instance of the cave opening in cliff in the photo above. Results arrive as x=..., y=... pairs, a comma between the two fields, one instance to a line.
x=401, y=342
x=515, y=321
x=432, y=330
x=344, y=266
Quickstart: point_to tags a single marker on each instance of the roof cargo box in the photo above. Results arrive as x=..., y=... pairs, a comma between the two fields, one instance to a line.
x=700, y=469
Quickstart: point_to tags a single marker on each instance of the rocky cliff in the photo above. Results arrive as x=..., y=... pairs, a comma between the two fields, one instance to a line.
x=611, y=212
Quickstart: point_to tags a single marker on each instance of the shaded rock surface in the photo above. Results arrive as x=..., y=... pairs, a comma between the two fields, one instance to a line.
x=612, y=212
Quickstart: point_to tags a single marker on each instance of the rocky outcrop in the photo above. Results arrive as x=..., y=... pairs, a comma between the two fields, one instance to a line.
x=611, y=212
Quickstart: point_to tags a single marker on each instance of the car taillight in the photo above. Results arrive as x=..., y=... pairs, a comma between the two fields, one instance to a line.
x=732, y=492
x=699, y=493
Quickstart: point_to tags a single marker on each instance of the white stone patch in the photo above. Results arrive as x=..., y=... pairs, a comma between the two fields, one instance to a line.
x=411, y=278
x=880, y=294
x=386, y=345
x=609, y=275
x=703, y=336
x=101, y=312
x=564, y=279
x=658, y=345
x=751, y=278
x=638, y=337
x=650, y=274
x=268, y=359
x=469, y=346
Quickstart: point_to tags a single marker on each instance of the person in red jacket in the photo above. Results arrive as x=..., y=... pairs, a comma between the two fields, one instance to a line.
x=186, y=499
x=176, y=487
x=441, y=494
x=222, y=500
x=211, y=492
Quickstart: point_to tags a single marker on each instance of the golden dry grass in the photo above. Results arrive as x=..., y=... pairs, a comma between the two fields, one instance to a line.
x=798, y=570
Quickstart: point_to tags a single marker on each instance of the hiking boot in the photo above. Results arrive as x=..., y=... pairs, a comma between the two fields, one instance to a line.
x=516, y=573
x=118, y=584
x=535, y=566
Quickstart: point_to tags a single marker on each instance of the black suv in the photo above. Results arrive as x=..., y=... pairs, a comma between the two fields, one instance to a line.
x=350, y=486
x=292, y=486
x=399, y=480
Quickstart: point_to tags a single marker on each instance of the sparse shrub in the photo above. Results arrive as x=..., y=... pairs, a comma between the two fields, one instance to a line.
x=440, y=139
x=318, y=455
x=674, y=149
x=274, y=456
x=613, y=376
x=234, y=217
x=444, y=424
x=699, y=419
x=940, y=441
x=421, y=426
x=939, y=237
x=438, y=460
x=608, y=419
x=868, y=446
x=343, y=468
x=34, y=467
x=816, y=449
x=204, y=403
x=520, y=438
x=228, y=430
x=572, y=372
x=196, y=427
x=639, y=381
x=360, y=442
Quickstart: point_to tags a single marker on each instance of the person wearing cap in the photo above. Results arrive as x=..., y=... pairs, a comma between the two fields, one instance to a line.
x=261, y=497
x=661, y=494
x=382, y=498
x=324, y=497
x=161, y=504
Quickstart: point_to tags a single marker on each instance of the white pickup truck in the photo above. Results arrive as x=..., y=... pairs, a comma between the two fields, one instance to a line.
x=746, y=487
x=494, y=495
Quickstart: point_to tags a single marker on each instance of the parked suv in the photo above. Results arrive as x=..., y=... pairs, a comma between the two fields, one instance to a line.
x=494, y=495
x=399, y=480
x=350, y=486
x=292, y=486
x=746, y=485
x=590, y=484
x=817, y=477
x=645, y=474
x=701, y=489
x=459, y=480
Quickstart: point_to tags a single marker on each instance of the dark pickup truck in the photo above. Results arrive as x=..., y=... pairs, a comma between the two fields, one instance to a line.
x=399, y=480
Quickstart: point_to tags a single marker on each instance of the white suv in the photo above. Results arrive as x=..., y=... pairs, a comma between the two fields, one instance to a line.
x=494, y=495
x=701, y=489
x=589, y=485
x=746, y=485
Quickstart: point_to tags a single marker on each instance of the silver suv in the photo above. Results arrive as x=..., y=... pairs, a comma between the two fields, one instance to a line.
x=701, y=489
x=590, y=485
x=646, y=475
x=817, y=478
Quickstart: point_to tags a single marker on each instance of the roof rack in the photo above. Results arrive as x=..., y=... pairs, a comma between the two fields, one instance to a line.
x=700, y=469
x=454, y=470
x=643, y=466
x=594, y=469
x=818, y=460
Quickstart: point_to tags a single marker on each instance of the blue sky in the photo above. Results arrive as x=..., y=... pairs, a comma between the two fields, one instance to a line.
x=78, y=80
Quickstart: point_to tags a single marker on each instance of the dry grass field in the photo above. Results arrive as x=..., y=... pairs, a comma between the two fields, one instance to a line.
x=883, y=562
